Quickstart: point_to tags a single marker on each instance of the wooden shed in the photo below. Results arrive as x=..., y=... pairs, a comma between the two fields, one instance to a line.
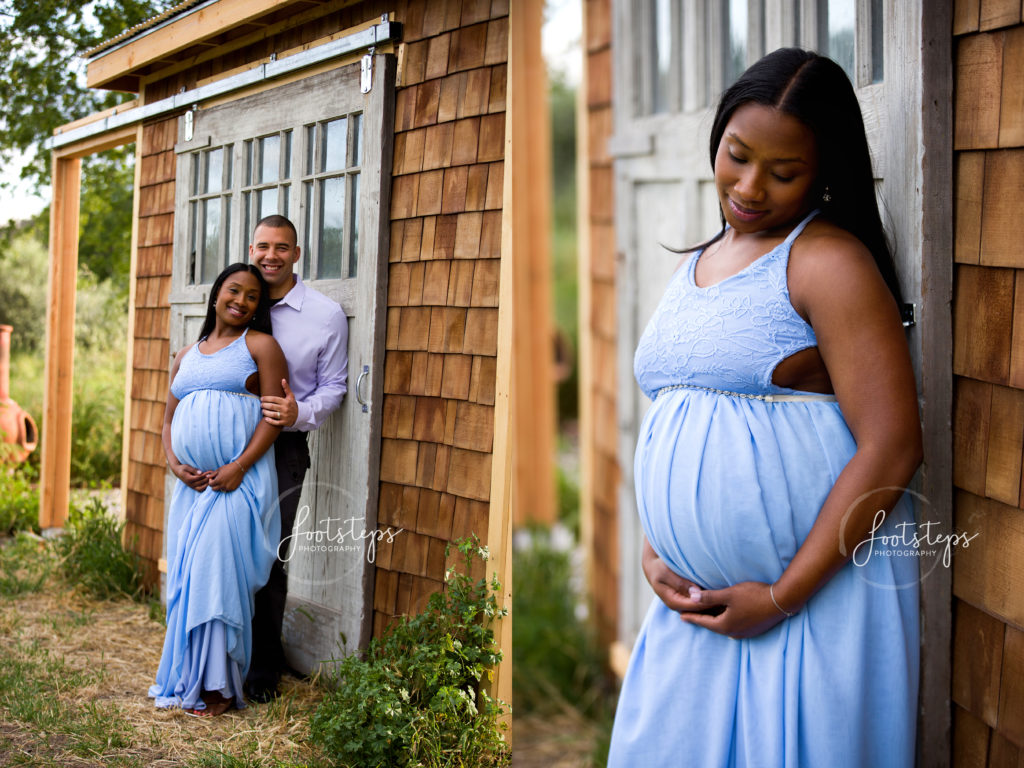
x=940, y=88
x=390, y=133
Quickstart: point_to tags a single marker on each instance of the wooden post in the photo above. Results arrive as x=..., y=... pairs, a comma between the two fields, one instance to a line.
x=126, y=428
x=55, y=478
x=528, y=163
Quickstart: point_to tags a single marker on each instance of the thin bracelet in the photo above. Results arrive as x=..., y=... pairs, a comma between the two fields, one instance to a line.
x=244, y=470
x=771, y=591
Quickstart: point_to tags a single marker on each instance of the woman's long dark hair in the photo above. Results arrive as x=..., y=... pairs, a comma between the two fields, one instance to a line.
x=261, y=318
x=816, y=91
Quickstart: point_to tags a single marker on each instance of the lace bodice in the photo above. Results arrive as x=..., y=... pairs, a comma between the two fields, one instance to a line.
x=730, y=335
x=226, y=369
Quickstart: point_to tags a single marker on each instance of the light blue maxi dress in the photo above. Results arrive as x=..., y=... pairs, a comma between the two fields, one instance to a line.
x=728, y=488
x=220, y=545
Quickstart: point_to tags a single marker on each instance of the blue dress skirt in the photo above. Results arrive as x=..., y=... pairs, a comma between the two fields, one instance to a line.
x=220, y=545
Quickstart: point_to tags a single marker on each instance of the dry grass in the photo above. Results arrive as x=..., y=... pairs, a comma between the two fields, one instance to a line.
x=97, y=660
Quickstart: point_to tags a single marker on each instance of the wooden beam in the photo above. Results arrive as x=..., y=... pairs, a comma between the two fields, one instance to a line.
x=533, y=405
x=126, y=429
x=99, y=143
x=179, y=34
x=55, y=477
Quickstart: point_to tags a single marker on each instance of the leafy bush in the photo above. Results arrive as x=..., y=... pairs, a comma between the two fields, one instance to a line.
x=19, y=499
x=416, y=699
x=556, y=656
x=25, y=563
x=91, y=554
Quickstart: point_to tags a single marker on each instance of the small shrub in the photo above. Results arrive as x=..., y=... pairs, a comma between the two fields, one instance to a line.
x=91, y=554
x=19, y=499
x=25, y=564
x=416, y=699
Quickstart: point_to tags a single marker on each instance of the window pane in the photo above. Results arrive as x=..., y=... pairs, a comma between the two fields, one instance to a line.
x=283, y=207
x=310, y=147
x=229, y=254
x=266, y=203
x=841, y=15
x=270, y=159
x=357, y=139
x=736, y=58
x=248, y=163
x=353, y=228
x=211, y=239
x=193, y=239
x=307, y=201
x=214, y=170
x=662, y=40
x=877, y=42
x=248, y=226
x=195, y=172
x=335, y=144
x=332, y=219
x=287, y=170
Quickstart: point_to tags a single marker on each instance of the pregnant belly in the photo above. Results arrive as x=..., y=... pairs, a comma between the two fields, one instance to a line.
x=211, y=428
x=728, y=488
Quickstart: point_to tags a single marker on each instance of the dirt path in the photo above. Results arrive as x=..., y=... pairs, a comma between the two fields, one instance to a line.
x=97, y=659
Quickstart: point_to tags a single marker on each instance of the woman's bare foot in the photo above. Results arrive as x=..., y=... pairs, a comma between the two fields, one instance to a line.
x=216, y=704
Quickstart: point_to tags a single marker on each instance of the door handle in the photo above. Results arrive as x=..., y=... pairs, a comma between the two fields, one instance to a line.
x=359, y=384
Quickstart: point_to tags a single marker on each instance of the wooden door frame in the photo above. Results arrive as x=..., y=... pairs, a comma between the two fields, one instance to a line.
x=58, y=394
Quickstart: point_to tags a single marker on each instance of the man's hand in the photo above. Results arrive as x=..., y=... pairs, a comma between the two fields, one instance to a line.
x=280, y=411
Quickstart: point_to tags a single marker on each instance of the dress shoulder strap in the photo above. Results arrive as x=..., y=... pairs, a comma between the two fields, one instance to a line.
x=800, y=227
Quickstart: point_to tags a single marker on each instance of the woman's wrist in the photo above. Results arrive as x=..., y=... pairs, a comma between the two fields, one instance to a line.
x=239, y=465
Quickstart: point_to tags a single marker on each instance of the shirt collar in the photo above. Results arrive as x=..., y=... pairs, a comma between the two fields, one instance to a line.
x=296, y=295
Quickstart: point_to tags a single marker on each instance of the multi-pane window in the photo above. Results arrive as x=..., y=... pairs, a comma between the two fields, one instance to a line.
x=268, y=164
x=309, y=172
x=689, y=52
x=209, y=214
x=330, y=193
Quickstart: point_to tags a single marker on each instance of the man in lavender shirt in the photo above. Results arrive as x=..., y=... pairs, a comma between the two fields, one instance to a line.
x=313, y=333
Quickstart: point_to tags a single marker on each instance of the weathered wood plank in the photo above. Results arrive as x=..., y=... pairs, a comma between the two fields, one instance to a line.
x=977, y=662
x=972, y=407
x=1017, y=337
x=1000, y=228
x=1005, y=445
x=979, y=63
x=982, y=322
x=1011, y=111
x=998, y=13
x=970, y=740
x=1011, y=692
x=970, y=184
x=989, y=573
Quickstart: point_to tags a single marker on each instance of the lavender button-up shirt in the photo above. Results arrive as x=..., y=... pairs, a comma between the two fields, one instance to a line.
x=313, y=333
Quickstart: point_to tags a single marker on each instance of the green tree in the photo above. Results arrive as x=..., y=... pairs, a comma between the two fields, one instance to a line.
x=42, y=86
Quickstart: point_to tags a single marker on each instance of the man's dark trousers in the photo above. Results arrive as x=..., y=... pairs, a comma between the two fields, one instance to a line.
x=291, y=455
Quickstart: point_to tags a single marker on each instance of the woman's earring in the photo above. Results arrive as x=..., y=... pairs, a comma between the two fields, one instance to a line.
x=826, y=197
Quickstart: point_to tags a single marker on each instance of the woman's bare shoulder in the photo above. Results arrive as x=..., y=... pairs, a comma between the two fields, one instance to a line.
x=258, y=341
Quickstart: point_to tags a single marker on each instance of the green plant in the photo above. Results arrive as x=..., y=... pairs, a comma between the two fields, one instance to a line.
x=416, y=697
x=91, y=554
x=19, y=499
x=25, y=564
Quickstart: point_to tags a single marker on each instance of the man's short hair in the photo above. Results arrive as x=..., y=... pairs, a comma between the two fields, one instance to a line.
x=277, y=221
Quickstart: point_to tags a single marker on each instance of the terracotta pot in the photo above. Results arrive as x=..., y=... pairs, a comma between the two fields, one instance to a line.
x=19, y=430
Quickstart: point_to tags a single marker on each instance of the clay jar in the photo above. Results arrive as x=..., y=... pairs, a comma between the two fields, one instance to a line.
x=17, y=426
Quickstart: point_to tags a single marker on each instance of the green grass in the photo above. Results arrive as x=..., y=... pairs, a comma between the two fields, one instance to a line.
x=92, y=556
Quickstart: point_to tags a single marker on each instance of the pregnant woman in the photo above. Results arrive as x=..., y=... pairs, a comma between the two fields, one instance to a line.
x=223, y=521
x=784, y=419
